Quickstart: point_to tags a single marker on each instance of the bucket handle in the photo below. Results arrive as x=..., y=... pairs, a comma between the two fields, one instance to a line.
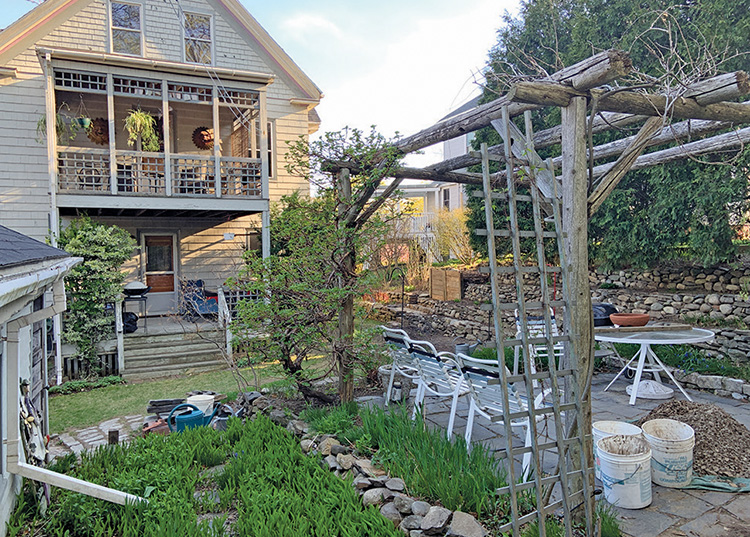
x=625, y=479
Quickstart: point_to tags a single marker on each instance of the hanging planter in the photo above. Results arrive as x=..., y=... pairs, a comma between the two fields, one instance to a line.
x=203, y=138
x=141, y=127
x=83, y=123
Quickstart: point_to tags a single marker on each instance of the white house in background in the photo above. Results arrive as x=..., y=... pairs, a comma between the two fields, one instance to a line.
x=427, y=198
x=225, y=96
x=31, y=291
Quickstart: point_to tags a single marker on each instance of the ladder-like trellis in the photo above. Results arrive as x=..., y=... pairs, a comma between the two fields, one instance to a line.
x=569, y=438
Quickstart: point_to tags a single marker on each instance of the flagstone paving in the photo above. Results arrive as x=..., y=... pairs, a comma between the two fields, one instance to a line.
x=672, y=513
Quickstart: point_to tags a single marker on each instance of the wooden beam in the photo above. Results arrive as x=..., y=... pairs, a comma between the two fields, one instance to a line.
x=543, y=93
x=623, y=164
x=729, y=140
x=574, y=256
x=548, y=137
x=719, y=88
x=594, y=71
x=679, y=108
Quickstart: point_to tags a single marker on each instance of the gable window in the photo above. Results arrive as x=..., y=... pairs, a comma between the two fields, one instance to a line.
x=126, y=28
x=197, y=38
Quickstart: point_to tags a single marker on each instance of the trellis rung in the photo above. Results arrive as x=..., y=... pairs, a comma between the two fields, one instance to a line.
x=523, y=270
x=524, y=233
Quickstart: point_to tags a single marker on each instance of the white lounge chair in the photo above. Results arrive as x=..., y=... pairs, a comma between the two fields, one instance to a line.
x=439, y=375
x=486, y=399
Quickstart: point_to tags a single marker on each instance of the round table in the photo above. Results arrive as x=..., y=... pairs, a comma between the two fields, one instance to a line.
x=646, y=338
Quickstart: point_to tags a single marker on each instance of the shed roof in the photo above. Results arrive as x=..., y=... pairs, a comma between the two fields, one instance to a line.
x=18, y=249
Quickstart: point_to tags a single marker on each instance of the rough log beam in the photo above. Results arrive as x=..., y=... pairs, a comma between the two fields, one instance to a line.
x=719, y=88
x=623, y=164
x=721, y=142
x=602, y=122
x=590, y=73
x=677, y=108
x=414, y=173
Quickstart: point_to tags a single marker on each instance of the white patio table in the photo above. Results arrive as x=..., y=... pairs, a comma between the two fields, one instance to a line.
x=645, y=338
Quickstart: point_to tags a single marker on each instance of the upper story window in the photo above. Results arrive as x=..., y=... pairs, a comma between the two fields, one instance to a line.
x=197, y=38
x=126, y=28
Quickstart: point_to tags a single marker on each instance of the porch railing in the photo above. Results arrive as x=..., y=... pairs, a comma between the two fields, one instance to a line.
x=88, y=171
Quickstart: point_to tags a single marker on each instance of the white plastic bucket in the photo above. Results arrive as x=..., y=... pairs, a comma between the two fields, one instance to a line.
x=672, y=445
x=204, y=402
x=603, y=429
x=626, y=470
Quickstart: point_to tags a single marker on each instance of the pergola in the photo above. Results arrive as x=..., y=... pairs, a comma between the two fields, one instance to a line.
x=566, y=190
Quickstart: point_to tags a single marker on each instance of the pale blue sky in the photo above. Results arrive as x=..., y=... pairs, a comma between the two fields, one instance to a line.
x=397, y=64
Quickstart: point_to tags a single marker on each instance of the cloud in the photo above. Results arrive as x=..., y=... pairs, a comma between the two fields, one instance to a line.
x=308, y=26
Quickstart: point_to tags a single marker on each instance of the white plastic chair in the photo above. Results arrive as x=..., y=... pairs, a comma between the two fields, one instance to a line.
x=536, y=327
x=402, y=360
x=439, y=375
x=486, y=399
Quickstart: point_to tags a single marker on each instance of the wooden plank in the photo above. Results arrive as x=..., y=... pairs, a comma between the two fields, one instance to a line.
x=437, y=284
x=453, y=285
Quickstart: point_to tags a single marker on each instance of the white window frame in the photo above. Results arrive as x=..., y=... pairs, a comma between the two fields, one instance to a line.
x=271, y=126
x=446, y=201
x=141, y=31
x=211, y=41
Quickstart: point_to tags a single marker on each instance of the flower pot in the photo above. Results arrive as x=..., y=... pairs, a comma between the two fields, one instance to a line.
x=629, y=319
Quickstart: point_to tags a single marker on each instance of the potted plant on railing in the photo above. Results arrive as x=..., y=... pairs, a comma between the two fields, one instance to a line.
x=142, y=133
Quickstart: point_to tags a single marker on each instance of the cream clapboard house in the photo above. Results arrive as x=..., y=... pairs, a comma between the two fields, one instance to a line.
x=198, y=67
x=225, y=97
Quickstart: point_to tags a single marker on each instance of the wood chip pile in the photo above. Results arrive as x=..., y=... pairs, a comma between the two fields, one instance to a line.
x=722, y=444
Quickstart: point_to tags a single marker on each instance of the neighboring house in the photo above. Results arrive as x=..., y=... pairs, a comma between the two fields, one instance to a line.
x=427, y=198
x=205, y=70
x=31, y=291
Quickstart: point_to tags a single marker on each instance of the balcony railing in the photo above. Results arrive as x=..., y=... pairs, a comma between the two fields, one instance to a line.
x=422, y=223
x=88, y=171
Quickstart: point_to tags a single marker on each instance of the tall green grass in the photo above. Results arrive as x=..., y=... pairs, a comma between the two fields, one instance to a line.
x=266, y=479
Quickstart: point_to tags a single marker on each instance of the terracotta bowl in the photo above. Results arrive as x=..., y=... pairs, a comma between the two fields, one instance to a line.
x=629, y=319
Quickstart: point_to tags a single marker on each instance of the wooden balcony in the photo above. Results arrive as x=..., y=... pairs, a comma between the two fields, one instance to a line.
x=86, y=179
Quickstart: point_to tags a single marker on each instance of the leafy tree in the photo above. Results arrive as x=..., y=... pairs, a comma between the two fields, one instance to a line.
x=652, y=211
x=348, y=167
x=93, y=284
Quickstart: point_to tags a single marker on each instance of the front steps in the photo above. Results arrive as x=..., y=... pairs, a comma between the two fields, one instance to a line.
x=149, y=356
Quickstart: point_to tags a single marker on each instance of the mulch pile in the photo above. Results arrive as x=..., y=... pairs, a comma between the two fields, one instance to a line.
x=722, y=444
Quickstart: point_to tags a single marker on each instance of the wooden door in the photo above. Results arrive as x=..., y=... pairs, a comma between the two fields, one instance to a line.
x=160, y=269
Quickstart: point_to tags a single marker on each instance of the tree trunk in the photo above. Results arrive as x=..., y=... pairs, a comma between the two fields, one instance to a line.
x=343, y=346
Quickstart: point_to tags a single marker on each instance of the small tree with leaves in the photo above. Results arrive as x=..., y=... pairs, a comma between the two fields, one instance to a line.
x=93, y=284
x=348, y=167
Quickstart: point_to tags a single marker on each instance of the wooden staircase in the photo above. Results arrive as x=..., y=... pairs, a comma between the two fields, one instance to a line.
x=149, y=356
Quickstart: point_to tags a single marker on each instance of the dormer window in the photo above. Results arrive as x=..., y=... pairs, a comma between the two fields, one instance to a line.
x=197, y=38
x=126, y=28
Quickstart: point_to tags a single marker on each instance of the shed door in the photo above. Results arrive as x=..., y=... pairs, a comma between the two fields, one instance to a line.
x=160, y=260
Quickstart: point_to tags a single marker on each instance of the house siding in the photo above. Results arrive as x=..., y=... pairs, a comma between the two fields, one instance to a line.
x=24, y=177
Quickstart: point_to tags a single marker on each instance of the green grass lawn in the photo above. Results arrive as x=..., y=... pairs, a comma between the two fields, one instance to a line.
x=84, y=409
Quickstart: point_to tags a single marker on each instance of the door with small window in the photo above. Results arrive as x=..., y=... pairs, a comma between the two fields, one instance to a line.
x=160, y=270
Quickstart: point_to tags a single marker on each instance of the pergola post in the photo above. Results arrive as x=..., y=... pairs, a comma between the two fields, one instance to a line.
x=579, y=317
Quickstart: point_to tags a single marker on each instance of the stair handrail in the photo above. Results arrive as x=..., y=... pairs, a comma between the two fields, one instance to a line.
x=225, y=319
